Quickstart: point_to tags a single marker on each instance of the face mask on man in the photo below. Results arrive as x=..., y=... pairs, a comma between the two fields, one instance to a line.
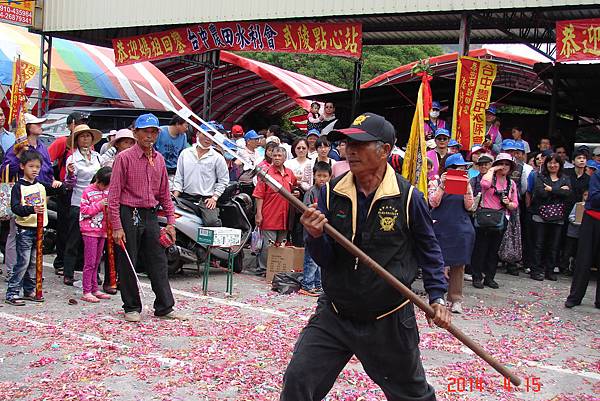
x=434, y=114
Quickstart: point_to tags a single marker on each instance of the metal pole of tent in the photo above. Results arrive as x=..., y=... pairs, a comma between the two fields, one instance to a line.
x=210, y=63
x=464, y=42
x=554, y=100
x=356, y=87
x=44, y=74
x=464, y=38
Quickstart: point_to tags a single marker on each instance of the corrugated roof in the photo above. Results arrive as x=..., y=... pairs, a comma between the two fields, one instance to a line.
x=69, y=15
x=384, y=22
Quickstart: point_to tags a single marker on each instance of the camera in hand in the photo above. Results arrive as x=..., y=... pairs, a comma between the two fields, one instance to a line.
x=501, y=193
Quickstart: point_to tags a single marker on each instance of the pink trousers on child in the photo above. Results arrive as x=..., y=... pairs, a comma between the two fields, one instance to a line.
x=92, y=252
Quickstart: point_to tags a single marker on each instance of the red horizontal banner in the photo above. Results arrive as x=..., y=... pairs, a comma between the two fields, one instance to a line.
x=294, y=37
x=578, y=40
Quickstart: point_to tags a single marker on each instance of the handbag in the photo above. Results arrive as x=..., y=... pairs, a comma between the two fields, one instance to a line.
x=511, y=247
x=552, y=211
x=5, y=210
x=256, y=241
x=5, y=191
x=490, y=219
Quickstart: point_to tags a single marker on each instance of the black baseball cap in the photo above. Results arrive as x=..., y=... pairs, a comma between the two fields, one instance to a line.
x=366, y=127
x=77, y=117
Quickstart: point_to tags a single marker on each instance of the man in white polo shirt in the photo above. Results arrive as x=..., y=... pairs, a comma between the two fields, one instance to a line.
x=201, y=177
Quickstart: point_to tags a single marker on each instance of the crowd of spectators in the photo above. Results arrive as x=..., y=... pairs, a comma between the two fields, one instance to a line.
x=523, y=210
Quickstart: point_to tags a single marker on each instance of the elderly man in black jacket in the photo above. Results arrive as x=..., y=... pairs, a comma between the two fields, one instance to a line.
x=359, y=313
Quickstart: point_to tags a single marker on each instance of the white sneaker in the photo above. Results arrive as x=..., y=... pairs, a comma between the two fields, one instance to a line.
x=468, y=277
x=456, y=307
x=174, y=316
x=133, y=316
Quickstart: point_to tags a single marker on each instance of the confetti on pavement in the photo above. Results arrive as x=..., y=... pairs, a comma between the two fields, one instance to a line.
x=224, y=352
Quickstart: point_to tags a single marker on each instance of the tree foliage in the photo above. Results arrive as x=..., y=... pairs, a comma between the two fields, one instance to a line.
x=339, y=71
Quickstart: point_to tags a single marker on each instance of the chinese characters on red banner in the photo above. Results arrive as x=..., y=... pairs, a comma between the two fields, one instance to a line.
x=295, y=37
x=474, y=79
x=578, y=40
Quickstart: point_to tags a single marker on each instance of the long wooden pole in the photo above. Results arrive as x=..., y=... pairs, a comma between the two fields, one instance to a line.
x=110, y=250
x=392, y=280
x=39, y=257
x=217, y=138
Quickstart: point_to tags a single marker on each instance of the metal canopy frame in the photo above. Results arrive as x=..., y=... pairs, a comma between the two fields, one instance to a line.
x=44, y=73
x=534, y=27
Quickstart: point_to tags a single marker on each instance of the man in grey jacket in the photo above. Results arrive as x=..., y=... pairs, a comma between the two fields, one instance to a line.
x=202, y=177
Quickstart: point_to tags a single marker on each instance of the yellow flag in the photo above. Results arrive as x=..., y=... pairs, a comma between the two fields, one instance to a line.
x=414, y=167
x=22, y=73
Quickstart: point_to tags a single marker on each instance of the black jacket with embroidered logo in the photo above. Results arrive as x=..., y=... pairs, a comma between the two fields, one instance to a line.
x=392, y=226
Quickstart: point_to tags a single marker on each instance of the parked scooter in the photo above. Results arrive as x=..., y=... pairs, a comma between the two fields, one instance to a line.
x=234, y=208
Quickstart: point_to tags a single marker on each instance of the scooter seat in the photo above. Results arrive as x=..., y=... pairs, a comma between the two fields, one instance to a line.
x=188, y=206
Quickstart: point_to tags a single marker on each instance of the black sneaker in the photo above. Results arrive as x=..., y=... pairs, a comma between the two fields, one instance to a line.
x=570, y=304
x=551, y=277
x=477, y=283
x=512, y=270
x=15, y=301
x=537, y=277
x=491, y=284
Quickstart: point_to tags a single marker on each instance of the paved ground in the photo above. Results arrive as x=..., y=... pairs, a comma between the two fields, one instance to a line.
x=236, y=348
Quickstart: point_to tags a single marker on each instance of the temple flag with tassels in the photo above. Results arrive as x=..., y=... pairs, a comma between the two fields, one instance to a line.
x=414, y=168
x=23, y=72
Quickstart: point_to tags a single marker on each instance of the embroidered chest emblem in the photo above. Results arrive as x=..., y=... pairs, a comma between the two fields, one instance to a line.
x=387, y=218
x=33, y=199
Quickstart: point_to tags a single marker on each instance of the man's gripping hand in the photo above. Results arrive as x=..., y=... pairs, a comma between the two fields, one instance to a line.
x=441, y=317
x=314, y=221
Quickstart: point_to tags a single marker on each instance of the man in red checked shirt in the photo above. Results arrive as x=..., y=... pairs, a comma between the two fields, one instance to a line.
x=138, y=186
x=271, y=208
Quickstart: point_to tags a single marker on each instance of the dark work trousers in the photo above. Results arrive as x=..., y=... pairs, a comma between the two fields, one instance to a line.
x=387, y=348
x=569, y=251
x=210, y=217
x=547, y=246
x=74, y=247
x=526, y=237
x=63, y=206
x=588, y=255
x=484, y=260
x=142, y=237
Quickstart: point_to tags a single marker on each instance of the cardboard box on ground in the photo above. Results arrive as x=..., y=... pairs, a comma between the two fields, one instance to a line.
x=284, y=259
